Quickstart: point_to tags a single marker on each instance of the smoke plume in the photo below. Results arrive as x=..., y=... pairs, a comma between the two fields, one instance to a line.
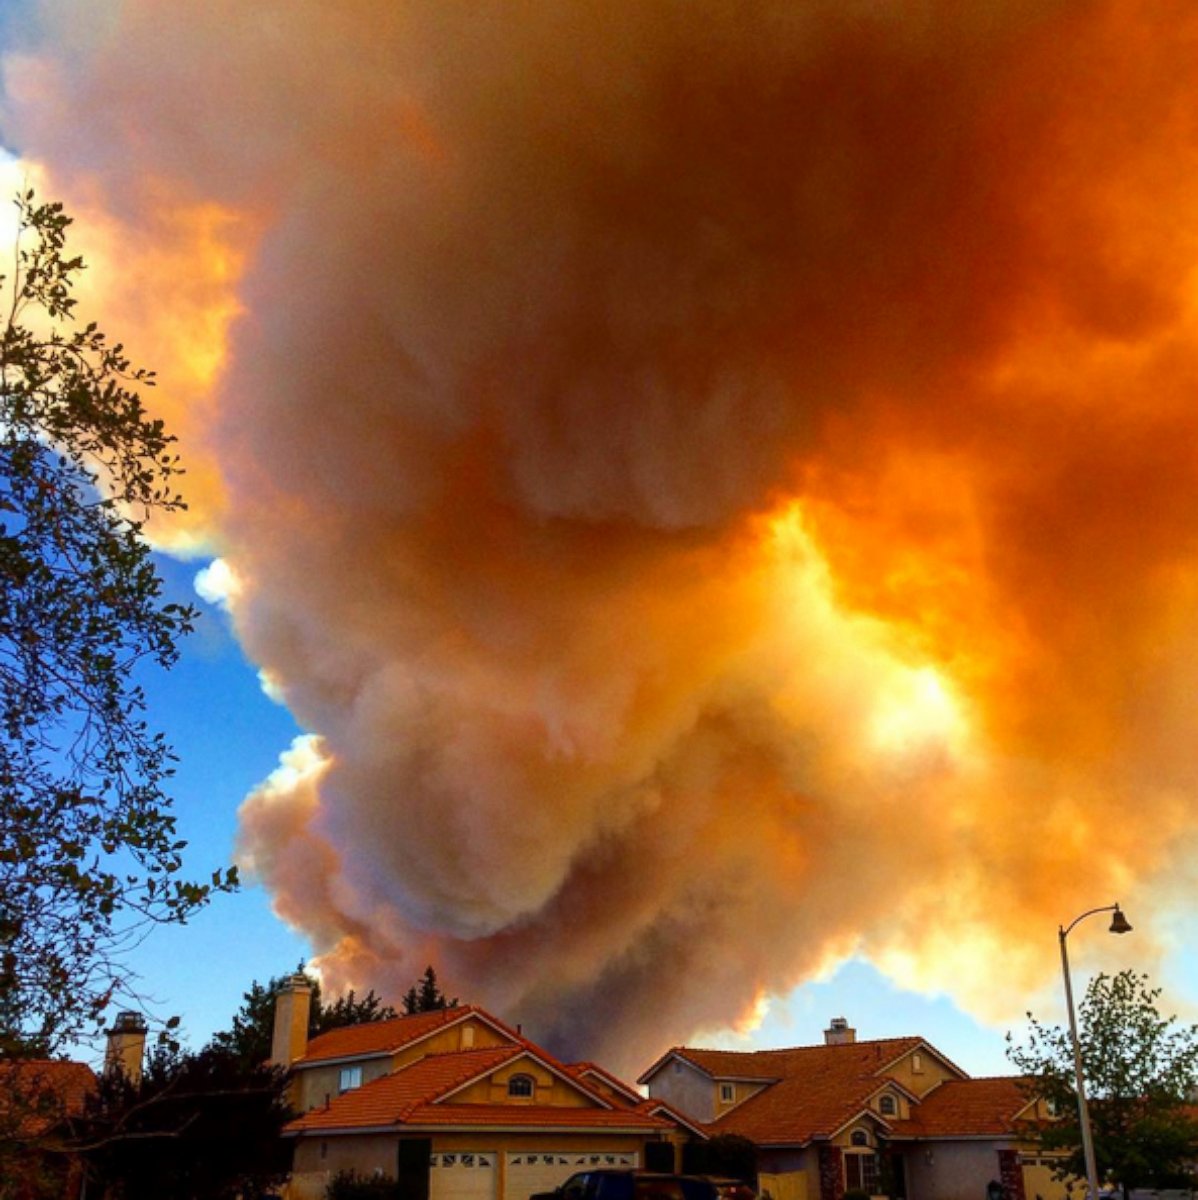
x=717, y=481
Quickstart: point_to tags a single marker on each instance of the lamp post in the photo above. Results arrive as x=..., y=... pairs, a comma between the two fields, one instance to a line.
x=1119, y=924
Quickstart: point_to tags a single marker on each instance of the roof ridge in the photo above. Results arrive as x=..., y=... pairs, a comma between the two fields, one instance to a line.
x=909, y=1037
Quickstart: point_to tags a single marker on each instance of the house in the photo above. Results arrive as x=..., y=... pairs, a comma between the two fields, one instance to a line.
x=456, y=1105
x=38, y=1099
x=892, y=1116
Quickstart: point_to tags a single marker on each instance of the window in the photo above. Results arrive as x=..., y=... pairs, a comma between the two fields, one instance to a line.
x=917, y=1064
x=887, y=1106
x=861, y=1173
x=351, y=1077
x=727, y=1093
x=859, y=1138
x=575, y=1188
x=521, y=1086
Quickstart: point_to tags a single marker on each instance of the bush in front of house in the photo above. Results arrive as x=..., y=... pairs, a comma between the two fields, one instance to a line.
x=349, y=1185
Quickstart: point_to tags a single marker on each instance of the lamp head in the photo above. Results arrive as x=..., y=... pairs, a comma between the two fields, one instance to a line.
x=1119, y=923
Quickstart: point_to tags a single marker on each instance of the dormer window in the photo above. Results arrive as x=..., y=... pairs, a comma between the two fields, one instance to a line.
x=521, y=1087
x=350, y=1078
x=727, y=1093
x=887, y=1105
x=859, y=1138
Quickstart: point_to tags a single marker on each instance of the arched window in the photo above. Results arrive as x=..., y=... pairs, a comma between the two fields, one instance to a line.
x=887, y=1106
x=521, y=1086
x=859, y=1138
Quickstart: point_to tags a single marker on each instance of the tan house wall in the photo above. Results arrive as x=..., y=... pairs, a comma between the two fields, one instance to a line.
x=1039, y=1182
x=455, y=1037
x=740, y=1093
x=920, y=1082
x=550, y=1089
x=902, y=1105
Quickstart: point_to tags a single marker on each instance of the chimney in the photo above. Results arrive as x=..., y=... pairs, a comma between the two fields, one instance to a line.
x=292, y=1006
x=126, y=1046
x=838, y=1033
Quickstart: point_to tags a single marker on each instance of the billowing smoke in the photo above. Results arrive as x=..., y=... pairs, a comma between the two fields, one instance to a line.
x=718, y=481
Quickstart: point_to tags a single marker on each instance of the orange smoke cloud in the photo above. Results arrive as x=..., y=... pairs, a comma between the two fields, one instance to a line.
x=719, y=484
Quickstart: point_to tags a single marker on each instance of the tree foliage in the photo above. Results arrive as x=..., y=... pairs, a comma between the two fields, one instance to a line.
x=1140, y=1069
x=196, y=1125
x=426, y=996
x=249, y=1037
x=89, y=852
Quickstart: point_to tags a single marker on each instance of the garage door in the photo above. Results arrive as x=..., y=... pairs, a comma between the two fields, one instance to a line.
x=540, y=1172
x=462, y=1175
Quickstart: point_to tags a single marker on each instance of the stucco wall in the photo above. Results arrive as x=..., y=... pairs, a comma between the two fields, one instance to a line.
x=550, y=1089
x=317, y=1160
x=685, y=1087
x=921, y=1081
x=958, y=1171
x=317, y=1083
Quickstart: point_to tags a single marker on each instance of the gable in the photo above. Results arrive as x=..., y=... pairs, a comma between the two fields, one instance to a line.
x=446, y=1029
x=920, y=1068
x=551, y=1086
x=381, y=1047
x=611, y=1086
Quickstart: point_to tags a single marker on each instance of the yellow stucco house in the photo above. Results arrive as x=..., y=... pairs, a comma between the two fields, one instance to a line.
x=457, y=1106
x=887, y=1117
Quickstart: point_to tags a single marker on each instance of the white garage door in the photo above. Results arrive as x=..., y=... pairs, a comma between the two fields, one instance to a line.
x=462, y=1175
x=542, y=1172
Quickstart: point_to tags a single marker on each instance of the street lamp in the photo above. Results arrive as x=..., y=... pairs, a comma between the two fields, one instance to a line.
x=1119, y=924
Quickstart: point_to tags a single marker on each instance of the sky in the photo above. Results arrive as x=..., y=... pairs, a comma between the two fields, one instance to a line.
x=695, y=518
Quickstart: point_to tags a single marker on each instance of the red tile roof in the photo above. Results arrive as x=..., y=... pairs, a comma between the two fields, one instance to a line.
x=390, y=1099
x=41, y=1092
x=384, y=1037
x=675, y=1115
x=410, y=1097
x=967, y=1108
x=817, y=1090
x=624, y=1092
